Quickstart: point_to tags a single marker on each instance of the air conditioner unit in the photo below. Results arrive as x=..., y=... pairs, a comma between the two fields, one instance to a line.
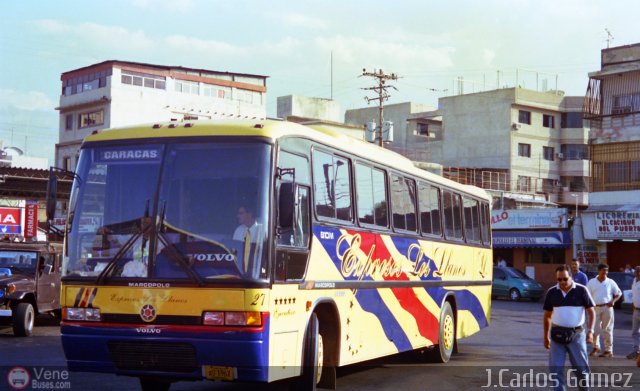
x=560, y=155
x=515, y=126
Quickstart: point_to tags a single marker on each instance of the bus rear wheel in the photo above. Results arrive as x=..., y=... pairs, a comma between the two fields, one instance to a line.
x=313, y=357
x=446, y=336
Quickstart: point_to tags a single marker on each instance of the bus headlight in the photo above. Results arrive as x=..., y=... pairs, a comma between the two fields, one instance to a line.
x=87, y=314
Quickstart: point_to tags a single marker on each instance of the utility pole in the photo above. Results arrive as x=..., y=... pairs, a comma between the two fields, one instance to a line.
x=383, y=95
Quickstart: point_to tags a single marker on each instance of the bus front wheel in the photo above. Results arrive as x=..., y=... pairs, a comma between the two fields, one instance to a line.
x=313, y=357
x=150, y=384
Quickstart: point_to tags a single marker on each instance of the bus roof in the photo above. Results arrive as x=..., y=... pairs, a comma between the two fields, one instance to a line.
x=272, y=129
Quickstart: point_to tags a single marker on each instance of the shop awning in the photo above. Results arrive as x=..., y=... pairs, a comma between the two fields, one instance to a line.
x=531, y=239
x=612, y=208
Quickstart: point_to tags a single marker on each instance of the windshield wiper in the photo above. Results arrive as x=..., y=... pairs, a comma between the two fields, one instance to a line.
x=173, y=253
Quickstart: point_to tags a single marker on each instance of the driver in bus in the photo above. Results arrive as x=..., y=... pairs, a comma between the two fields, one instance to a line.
x=248, y=232
x=248, y=225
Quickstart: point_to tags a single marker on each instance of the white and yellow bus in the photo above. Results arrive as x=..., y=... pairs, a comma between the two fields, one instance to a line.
x=263, y=250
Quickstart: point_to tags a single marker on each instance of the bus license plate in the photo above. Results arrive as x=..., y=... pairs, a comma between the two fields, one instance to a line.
x=212, y=372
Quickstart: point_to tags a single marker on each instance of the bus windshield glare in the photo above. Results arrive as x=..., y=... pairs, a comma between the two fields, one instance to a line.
x=191, y=212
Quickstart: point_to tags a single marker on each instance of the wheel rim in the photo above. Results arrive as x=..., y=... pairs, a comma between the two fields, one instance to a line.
x=515, y=295
x=320, y=358
x=448, y=332
x=29, y=319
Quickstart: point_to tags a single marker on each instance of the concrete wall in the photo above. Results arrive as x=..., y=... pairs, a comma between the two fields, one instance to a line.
x=476, y=129
x=307, y=107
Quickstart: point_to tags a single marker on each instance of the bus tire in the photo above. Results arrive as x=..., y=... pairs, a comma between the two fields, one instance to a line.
x=312, y=359
x=446, y=335
x=23, y=319
x=151, y=384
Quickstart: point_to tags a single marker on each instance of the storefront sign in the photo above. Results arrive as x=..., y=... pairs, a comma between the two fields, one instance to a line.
x=30, y=219
x=529, y=218
x=587, y=253
x=548, y=239
x=618, y=225
x=10, y=220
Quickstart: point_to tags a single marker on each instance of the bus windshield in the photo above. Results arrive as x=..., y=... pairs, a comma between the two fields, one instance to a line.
x=189, y=211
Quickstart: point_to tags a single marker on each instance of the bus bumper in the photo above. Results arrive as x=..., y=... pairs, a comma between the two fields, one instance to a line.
x=177, y=352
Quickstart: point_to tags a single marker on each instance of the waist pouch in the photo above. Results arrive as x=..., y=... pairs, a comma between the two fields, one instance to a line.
x=563, y=335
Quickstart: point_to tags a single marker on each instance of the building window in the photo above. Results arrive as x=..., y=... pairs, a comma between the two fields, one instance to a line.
x=68, y=122
x=623, y=104
x=574, y=151
x=547, y=153
x=94, y=118
x=548, y=121
x=524, y=150
x=187, y=87
x=66, y=163
x=422, y=129
x=571, y=120
x=250, y=97
x=524, y=184
x=216, y=91
x=143, y=79
x=524, y=117
x=86, y=82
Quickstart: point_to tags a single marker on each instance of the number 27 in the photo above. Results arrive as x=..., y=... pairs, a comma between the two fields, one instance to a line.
x=259, y=297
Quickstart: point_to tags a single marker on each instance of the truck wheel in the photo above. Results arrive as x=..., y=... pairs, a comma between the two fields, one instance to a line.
x=23, y=319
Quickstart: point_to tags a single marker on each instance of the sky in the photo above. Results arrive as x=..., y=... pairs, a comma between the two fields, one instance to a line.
x=309, y=48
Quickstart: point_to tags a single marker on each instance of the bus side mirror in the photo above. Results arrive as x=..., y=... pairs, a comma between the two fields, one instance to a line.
x=52, y=194
x=286, y=205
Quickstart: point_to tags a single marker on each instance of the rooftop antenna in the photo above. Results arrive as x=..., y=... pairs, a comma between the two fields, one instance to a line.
x=609, y=37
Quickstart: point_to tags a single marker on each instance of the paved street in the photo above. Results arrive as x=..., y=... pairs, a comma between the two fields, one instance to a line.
x=511, y=343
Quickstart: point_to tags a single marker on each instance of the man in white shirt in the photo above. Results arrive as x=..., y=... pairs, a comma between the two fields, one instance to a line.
x=248, y=224
x=635, y=319
x=605, y=293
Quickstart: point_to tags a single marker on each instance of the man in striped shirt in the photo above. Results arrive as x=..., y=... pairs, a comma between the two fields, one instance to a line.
x=565, y=305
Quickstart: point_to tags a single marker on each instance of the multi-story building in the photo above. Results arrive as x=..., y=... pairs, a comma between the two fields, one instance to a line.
x=611, y=223
x=117, y=93
x=529, y=148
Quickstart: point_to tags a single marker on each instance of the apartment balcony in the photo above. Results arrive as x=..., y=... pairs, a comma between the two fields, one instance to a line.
x=567, y=198
x=574, y=167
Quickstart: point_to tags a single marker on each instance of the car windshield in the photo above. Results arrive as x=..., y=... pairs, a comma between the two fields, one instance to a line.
x=188, y=211
x=515, y=273
x=19, y=261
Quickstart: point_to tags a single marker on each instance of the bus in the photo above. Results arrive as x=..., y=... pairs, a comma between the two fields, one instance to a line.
x=258, y=251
